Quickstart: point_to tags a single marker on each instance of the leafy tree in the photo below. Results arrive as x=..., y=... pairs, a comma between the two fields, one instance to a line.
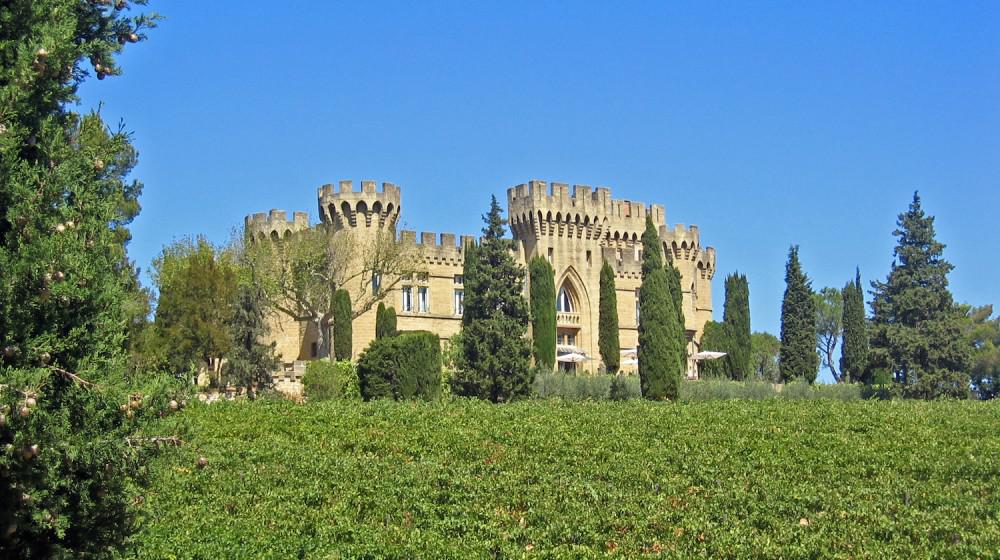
x=736, y=316
x=854, y=350
x=542, y=295
x=385, y=321
x=714, y=338
x=342, y=328
x=798, y=357
x=301, y=274
x=495, y=352
x=765, y=348
x=916, y=326
x=829, y=305
x=250, y=362
x=197, y=283
x=607, y=322
x=659, y=356
x=65, y=204
x=983, y=335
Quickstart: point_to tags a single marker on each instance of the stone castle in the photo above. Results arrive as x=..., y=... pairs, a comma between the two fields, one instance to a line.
x=576, y=229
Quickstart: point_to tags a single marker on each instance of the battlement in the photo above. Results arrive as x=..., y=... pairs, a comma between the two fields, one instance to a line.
x=275, y=224
x=683, y=243
x=537, y=208
x=342, y=206
x=446, y=248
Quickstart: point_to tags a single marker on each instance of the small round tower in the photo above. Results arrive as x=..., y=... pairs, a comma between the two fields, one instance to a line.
x=341, y=207
x=274, y=225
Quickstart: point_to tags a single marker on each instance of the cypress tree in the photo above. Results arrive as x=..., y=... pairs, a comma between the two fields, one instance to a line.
x=542, y=292
x=385, y=321
x=342, y=329
x=854, y=350
x=496, y=355
x=736, y=316
x=677, y=297
x=659, y=356
x=799, y=359
x=916, y=326
x=607, y=325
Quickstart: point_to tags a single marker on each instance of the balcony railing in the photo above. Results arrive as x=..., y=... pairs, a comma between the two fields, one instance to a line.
x=567, y=318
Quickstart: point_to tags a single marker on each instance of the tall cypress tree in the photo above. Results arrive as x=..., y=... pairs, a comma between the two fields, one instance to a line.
x=799, y=359
x=542, y=293
x=385, y=321
x=607, y=322
x=854, y=350
x=736, y=316
x=659, y=356
x=496, y=355
x=916, y=327
x=342, y=328
x=677, y=297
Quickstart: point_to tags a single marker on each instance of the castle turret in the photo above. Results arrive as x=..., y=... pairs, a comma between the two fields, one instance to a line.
x=342, y=207
x=274, y=225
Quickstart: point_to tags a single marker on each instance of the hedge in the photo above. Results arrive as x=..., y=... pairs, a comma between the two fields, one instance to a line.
x=406, y=366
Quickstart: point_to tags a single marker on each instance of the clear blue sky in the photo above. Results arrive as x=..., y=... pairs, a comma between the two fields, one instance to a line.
x=766, y=124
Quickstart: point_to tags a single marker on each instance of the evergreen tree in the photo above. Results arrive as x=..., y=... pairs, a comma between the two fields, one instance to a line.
x=496, y=355
x=659, y=355
x=798, y=358
x=714, y=338
x=250, y=362
x=379, y=320
x=677, y=297
x=385, y=321
x=342, y=327
x=916, y=326
x=542, y=292
x=607, y=325
x=65, y=204
x=854, y=350
x=736, y=316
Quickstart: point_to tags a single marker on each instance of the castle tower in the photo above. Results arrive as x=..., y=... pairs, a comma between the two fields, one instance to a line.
x=577, y=230
x=364, y=215
x=274, y=225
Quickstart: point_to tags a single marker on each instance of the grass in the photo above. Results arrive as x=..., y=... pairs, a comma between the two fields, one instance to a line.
x=768, y=478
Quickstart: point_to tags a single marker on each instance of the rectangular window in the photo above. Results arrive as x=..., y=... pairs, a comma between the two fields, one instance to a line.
x=459, y=279
x=618, y=255
x=459, y=302
x=376, y=282
x=407, y=298
x=422, y=300
x=550, y=254
x=590, y=260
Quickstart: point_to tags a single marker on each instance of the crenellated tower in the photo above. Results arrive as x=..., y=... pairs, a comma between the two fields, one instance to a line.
x=343, y=207
x=274, y=225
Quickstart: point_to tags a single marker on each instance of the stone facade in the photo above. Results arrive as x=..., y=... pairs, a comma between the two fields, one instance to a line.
x=576, y=229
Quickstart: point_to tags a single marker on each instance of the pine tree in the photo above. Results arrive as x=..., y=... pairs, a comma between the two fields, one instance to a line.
x=607, y=325
x=250, y=362
x=542, y=292
x=916, y=326
x=659, y=355
x=496, y=355
x=342, y=327
x=799, y=359
x=854, y=350
x=736, y=316
x=65, y=204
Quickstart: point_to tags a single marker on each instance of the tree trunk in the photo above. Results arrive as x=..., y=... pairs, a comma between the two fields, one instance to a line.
x=323, y=346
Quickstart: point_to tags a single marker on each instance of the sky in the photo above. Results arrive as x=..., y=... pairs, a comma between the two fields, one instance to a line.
x=767, y=124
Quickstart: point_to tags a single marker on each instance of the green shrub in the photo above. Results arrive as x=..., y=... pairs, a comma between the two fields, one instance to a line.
x=325, y=380
x=725, y=389
x=584, y=387
x=406, y=366
x=801, y=390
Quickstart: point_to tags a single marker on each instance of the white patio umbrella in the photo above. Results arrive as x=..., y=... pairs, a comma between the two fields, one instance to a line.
x=572, y=357
x=708, y=355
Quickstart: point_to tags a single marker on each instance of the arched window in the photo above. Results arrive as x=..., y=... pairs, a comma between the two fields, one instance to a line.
x=564, y=302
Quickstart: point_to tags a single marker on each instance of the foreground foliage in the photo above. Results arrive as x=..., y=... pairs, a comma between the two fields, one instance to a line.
x=469, y=479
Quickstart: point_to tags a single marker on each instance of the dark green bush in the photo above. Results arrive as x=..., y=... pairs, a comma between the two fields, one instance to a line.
x=585, y=387
x=406, y=366
x=325, y=380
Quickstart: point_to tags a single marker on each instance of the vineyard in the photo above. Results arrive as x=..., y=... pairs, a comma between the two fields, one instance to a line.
x=766, y=478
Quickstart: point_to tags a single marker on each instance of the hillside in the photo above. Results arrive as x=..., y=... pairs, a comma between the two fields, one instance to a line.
x=727, y=478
